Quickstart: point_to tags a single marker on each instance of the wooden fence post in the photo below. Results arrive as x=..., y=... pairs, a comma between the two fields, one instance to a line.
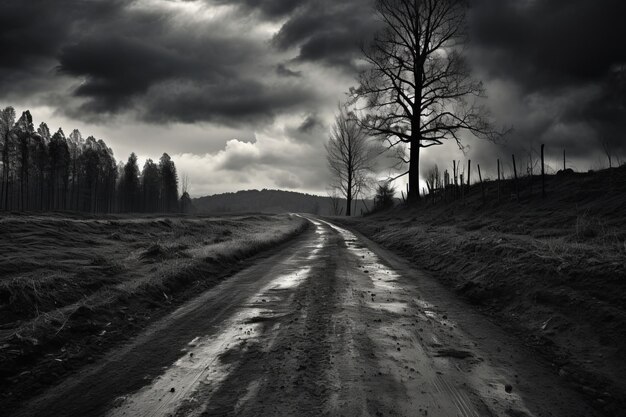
x=498, y=179
x=455, y=181
x=543, y=174
x=515, y=174
x=469, y=171
x=482, y=185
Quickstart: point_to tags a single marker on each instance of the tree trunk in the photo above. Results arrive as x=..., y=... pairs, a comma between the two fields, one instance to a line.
x=349, y=193
x=5, y=172
x=414, y=171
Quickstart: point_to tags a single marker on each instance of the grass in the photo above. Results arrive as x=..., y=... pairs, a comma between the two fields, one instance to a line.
x=73, y=286
x=552, y=269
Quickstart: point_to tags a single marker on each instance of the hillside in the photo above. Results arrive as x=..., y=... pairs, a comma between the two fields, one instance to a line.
x=550, y=268
x=270, y=201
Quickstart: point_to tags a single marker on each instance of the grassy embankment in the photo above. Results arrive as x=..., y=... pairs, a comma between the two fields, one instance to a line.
x=552, y=269
x=72, y=287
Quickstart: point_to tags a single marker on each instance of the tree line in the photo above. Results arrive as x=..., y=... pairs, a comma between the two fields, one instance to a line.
x=42, y=171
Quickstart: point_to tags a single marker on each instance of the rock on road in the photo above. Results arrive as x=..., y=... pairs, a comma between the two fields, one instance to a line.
x=333, y=325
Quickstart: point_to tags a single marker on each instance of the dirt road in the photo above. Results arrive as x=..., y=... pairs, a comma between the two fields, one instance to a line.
x=334, y=325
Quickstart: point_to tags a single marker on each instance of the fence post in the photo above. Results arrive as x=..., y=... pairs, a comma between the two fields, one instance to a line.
x=515, y=174
x=482, y=185
x=498, y=179
x=455, y=181
x=543, y=174
x=469, y=171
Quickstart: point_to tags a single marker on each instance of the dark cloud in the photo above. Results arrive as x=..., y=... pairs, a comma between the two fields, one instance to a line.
x=329, y=32
x=118, y=68
x=144, y=62
x=122, y=57
x=268, y=8
x=230, y=102
x=551, y=43
x=118, y=58
x=201, y=73
x=563, y=58
x=555, y=68
x=34, y=30
x=32, y=33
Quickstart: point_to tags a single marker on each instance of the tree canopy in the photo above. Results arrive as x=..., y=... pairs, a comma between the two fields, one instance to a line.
x=44, y=171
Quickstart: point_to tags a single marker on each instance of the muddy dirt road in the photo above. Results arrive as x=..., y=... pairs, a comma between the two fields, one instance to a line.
x=335, y=326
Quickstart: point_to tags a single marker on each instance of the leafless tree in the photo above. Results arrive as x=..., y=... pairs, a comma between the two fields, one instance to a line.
x=185, y=183
x=350, y=156
x=417, y=89
x=185, y=198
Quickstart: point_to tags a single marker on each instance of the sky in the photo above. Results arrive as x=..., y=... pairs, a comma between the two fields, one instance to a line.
x=242, y=93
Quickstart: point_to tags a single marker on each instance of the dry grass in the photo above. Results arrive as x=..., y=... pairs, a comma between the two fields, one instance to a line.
x=47, y=263
x=80, y=284
x=553, y=269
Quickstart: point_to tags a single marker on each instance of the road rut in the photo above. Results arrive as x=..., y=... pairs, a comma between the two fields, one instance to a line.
x=333, y=325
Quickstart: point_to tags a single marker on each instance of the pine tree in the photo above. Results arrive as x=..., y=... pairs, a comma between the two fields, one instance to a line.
x=169, y=184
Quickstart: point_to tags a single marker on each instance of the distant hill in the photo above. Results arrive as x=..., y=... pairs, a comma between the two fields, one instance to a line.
x=270, y=201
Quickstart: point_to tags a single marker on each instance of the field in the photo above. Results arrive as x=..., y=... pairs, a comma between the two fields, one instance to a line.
x=73, y=286
x=551, y=269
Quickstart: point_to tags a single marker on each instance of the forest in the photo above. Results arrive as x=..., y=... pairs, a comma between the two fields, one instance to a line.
x=41, y=171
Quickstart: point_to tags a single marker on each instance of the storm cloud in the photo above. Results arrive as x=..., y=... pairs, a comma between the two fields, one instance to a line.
x=553, y=69
x=556, y=68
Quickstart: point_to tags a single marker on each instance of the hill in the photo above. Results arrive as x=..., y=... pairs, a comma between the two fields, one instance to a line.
x=271, y=201
x=551, y=268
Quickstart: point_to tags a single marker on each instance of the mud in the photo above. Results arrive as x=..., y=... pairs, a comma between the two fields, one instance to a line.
x=333, y=325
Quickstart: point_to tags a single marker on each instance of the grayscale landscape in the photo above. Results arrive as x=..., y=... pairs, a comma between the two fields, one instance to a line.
x=312, y=208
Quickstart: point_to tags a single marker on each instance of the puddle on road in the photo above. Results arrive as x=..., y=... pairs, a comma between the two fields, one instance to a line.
x=441, y=378
x=288, y=281
x=393, y=307
x=201, y=366
x=385, y=280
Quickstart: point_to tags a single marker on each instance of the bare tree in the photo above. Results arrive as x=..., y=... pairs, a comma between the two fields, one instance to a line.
x=417, y=89
x=350, y=156
x=185, y=183
x=185, y=199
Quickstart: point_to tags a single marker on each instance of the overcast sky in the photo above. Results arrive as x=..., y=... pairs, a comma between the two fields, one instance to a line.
x=241, y=93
